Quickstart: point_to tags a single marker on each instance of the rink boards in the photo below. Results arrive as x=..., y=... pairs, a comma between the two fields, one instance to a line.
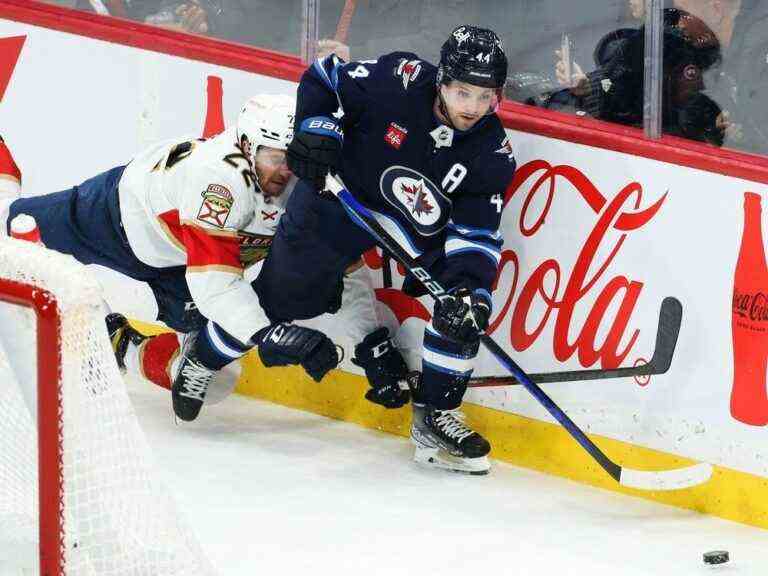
x=595, y=239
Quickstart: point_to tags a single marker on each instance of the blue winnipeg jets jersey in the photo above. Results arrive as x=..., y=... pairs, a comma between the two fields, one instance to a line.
x=438, y=191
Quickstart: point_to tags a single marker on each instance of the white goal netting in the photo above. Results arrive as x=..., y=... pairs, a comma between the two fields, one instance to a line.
x=117, y=519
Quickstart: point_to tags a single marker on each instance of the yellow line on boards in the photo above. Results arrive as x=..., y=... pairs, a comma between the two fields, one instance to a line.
x=521, y=441
x=518, y=440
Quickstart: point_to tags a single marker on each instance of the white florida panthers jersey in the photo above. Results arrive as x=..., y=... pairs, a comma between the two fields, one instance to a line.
x=195, y=203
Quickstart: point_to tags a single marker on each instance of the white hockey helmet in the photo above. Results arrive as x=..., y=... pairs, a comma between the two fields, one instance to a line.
x=266, y=120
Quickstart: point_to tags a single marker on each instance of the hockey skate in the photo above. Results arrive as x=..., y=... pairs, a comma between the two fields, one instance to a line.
x=443, y=440
x=190, y=383
x=122, y=335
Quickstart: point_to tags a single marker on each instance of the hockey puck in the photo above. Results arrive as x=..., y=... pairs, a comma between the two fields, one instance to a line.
x=716, y=557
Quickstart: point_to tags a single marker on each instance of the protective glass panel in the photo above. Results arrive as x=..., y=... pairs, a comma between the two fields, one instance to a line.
x=716, y=72
x=581, y=57
x=584, y=58
x=272, y=24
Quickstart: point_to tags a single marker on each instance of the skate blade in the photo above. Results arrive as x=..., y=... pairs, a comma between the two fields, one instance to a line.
x=439, y=458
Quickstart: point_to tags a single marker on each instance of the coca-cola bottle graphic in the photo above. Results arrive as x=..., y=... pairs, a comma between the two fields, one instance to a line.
x=214, y=115
x=749, y=321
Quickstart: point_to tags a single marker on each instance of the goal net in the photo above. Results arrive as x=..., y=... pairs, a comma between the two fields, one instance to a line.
x=79, y=494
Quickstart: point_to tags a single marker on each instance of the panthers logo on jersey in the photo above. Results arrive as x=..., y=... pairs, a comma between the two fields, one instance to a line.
x=216, y=206
x=417, y=198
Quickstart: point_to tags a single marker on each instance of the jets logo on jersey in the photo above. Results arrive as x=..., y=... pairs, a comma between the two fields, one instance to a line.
x=417, y=198
x=217, y=204
x=408, y=70
x=395, y=135
x=506, y=149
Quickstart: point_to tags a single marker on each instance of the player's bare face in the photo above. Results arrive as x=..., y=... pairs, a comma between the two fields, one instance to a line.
x=466, y=104
x=272, y=170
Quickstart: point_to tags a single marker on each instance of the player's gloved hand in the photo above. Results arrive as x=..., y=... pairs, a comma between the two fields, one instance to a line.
x=385, y=369
x=288, y=344
x=462, y=316
x=315, y=149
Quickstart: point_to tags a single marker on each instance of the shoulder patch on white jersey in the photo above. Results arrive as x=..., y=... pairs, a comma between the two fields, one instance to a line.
x=217, y=205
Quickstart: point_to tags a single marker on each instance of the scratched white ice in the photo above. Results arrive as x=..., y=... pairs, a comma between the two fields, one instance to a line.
x=277, y=491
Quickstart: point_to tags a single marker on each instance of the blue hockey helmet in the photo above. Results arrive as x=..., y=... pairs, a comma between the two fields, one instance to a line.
x=475, y=56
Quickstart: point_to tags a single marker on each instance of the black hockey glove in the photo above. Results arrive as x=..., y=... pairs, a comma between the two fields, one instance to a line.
x=288, y=344
x=315, y=149
x=462, y=316
x=385, y=369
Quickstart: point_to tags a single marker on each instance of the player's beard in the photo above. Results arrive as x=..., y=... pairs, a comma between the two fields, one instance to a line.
x=454, y=117
x=464, y=122
x=272, y=180
x=275, y=185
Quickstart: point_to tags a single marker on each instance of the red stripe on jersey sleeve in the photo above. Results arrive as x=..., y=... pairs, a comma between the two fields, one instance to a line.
x=207, y=248
x=7, y=165
x=170, y=221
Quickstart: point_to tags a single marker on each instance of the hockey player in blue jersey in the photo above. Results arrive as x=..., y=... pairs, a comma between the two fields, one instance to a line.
x=422, y=148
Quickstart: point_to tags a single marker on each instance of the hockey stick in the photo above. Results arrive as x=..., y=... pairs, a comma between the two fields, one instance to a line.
x=643, y=480
x=666, y=339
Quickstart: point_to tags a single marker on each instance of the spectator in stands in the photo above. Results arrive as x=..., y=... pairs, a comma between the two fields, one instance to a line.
x=225, y=19
x=614, y=90
x=636, y=9
x=328, y=46
x=569, y=74
x=548, y=26
x=740, y=84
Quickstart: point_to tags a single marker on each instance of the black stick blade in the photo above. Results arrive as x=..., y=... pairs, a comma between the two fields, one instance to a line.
x=670, y=318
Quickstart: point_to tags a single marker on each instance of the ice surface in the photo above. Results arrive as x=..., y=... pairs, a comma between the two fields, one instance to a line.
x=275, y=491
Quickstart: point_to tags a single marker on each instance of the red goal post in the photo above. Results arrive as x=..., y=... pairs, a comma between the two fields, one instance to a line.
x=49, y=418
x=92, y=505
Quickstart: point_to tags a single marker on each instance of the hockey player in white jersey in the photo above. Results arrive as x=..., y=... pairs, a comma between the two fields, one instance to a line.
x=182, y=216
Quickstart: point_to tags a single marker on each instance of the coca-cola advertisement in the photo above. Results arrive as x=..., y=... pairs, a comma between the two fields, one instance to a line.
x=749, y=401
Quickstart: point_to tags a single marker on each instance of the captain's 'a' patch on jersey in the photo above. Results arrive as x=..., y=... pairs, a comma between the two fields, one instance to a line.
x=217, y=205
x=417, y=198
